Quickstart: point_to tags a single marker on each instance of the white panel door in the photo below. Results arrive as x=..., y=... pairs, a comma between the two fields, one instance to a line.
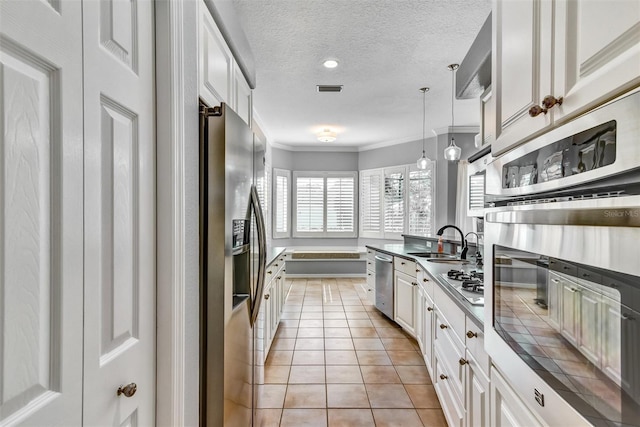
x=119, y=212
x=40, y=213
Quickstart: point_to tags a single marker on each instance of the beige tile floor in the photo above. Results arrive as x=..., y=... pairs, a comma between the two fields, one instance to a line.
x=337, y=361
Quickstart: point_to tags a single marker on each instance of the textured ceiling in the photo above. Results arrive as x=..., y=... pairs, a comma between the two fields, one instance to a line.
x=387, y=50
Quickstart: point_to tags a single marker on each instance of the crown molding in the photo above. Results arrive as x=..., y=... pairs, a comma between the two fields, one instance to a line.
x=258, y=120
x=321, y=148
x=456, y=129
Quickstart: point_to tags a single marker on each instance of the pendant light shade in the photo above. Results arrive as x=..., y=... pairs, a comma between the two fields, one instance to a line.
x=452, y=152
x=423, y=162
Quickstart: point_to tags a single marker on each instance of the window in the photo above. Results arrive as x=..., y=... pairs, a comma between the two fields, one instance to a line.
x=281, y=180
x=397, y=200
x=371, y=205
x=324, y=204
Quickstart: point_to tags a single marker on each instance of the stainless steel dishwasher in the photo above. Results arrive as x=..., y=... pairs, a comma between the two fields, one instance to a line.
x=384, y=285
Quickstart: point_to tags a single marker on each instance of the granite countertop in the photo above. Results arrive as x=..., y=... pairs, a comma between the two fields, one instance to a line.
x=433, y=269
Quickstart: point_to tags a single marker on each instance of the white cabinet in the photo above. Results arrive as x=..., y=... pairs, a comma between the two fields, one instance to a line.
x=219, y=76
x=425, y=320
x=275, y=293
x=404, y=302
x=554, y=297
x=477, y=394
x=449, y=401
x=589, y=322
x=507, y=409
x=569, y=311
x=596, y=52
x=582, y=53
x=611, y=342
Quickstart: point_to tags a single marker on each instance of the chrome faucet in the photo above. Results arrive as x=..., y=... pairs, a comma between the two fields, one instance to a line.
x=463, y=253
x=478, y=254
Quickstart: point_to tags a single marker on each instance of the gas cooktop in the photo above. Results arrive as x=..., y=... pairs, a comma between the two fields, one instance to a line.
x=468, y=284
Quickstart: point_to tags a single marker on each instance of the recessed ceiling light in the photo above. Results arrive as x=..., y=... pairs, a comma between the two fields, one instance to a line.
x=330, y=63
x=327, y=136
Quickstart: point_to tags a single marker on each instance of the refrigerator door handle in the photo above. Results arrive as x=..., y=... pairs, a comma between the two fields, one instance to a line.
x=262, y=253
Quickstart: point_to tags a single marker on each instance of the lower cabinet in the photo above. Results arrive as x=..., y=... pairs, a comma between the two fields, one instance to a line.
x=507, y=409
x=405, y=301
x=477, y=394
x=451, y=403
x=275, y=294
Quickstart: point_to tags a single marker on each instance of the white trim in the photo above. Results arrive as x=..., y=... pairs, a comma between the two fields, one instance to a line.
x=456, y=129
x=177, y=264
x=319, y=148
x=324, y=276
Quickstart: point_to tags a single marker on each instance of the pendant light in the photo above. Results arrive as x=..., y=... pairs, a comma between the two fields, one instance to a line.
x=423, y=162
x=452, y=152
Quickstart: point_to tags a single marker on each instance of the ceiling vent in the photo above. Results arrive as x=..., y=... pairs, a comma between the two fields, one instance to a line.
x=329, y=88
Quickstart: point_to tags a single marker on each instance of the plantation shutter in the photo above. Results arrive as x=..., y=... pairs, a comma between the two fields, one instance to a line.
x=394, y=203
x=476, y=192
x=340, y=204
x=310, y=204
x=281, y=203
x=371, y=204
x=421, y=206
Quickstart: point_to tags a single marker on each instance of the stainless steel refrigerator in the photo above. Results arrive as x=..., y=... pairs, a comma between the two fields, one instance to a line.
x=232, y=265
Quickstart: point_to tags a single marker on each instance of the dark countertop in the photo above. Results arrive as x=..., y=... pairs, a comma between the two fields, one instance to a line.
x=476, y=313
x=273, y=252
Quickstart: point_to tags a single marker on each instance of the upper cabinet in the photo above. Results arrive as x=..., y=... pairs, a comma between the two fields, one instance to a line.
x=219, y=76
x=555, y=60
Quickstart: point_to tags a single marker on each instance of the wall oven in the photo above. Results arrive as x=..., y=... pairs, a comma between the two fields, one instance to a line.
x=562, y=250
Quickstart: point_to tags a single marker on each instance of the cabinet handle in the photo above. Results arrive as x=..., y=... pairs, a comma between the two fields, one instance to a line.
x=425, y=280
x=429, y=308
x=269, y=272
x=443, y=377
x=279, y=277
x=471, y=334
x=462, y=361
x=281, y=259
x=275, y=265
x=627, y=317
x=555, y=280
x=443, y=326
x=401, y=263
x=414, y=283
x=573, y=289
x=369, y=263
x=551, y=101
x=536, y=110
x=369, y=274
x=128, y=390
x=266, y=296
x=417, y=270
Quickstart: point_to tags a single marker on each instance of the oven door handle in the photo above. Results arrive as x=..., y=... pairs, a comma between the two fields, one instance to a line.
x=600, y=217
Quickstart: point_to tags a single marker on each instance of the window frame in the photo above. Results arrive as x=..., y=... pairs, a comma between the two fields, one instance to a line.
x=274, y=183
x=382, y=173
x=324, y=233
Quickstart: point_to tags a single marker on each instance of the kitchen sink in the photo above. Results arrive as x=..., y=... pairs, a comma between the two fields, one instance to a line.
x=449, y=261
x=431, y=255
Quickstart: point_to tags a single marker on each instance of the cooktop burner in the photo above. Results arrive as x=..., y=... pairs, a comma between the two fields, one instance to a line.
x=469, y=284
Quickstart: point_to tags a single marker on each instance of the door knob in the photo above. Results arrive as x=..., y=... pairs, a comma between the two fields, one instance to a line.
x=443, y=377
x=471, y=334
x=443, y=326
x=266, y=296
x=128, y=390
x=462, y=361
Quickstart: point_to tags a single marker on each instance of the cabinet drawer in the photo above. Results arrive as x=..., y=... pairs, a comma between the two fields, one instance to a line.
x=475, y=344
x=452, y=355
x=453, y=313
x=404, y=265
x=371, y=255
x=451, y=403
x=425, y=283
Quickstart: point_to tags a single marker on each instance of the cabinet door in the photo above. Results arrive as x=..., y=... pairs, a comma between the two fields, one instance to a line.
x=404, y=301
x=522, y=32
x=589, y=324
x=419, y=317
x=507, y=410
x=243, y=99
x=371, y=286
x=451, y=405
x=554, y=300
x=427, y=333
x=268, y=316
x=611, y=342
x=477, y=399
x=597, y=52
x=569, y=317
x=215, y=62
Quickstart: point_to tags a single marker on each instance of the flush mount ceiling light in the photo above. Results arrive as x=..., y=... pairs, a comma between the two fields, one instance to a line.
x=327, y=136
x=330, y=63
x=423, y=162
x=452, y=152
